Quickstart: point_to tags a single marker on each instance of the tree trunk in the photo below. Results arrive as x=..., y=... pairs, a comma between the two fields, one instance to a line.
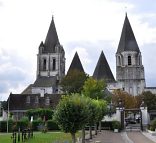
x=73, y=138
x=83, y=135
x=95, y=128
x=90, y=132
x=100, y=126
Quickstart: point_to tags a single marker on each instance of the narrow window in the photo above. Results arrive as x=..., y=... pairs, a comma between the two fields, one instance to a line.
x=54, y=64
x=44, y=64
x=119, y=60
x=36, y=100
x=47, y=101
x=129, y=60
x=28, y=99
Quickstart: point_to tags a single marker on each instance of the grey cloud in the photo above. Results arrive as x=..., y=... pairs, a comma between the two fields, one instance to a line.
x=14, y=72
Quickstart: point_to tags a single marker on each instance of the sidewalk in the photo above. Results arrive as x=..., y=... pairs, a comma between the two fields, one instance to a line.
x=148, y=135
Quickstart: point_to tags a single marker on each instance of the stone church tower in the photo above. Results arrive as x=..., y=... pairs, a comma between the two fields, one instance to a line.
x=50, y=63
x=129, y=68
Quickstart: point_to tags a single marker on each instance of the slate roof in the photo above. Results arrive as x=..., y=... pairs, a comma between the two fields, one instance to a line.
x=127, y=39
x=45, y=82
x=51, y=40
x=102, y=70
x=19, y=101
x=76, y=64
x=27, y=90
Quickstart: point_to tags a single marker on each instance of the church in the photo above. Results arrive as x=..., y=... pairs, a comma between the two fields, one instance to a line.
x=45, y=92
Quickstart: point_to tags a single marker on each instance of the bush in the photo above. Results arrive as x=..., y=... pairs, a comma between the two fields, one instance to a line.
x=107, y=125
x=3, y=126
x=36, y=124
x=153, y=125
x=116, y=124
x=51, y=125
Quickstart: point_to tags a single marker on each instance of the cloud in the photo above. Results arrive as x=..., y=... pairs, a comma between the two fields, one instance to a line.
x=14, y=73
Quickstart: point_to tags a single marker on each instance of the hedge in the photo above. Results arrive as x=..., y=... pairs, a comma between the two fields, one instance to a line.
x=51, y=125
x=3, y=126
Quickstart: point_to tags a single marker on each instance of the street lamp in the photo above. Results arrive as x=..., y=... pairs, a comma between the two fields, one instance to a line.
x=121, y=109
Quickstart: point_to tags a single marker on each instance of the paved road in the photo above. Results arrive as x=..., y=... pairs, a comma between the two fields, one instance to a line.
x=123, y=137
x=138, y=137
x=107, y=137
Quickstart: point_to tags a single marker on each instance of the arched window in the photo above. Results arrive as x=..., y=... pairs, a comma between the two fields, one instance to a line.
x=28, y=99
x=129, y=60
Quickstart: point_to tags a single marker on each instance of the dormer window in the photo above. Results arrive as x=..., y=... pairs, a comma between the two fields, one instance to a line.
x=28, y=99
x=129, y=60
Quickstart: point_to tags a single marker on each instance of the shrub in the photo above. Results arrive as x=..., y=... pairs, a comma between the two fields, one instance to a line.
x=36, y=124
x=51, y=125
x=116, y=124
x=3, y=126
x=107, y=125
x=153, y=125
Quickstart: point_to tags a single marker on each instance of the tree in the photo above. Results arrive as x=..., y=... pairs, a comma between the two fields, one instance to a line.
x=44, y=114
x=149, y=99
x=71, y=114
x=128, y=100
x=94, y=88
x=73, y=82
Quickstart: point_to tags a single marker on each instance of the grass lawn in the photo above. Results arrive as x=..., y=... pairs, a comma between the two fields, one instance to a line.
x=49, y=137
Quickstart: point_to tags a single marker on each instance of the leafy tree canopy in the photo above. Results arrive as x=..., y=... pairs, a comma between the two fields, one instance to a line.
x=94, y=88
x=73, y=82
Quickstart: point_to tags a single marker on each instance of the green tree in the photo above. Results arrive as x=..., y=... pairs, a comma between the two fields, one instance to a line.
x=73, y=82
x=43, y=113
x=149, y=99
x=94, y=88
x=71, y=114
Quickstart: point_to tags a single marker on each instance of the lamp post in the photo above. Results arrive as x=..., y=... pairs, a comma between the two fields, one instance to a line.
x=121, y=109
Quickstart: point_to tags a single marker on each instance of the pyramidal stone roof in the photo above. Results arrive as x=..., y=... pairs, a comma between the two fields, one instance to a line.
x=76, y=64
x=127, y=39
x=102, y=70
x=52, y=39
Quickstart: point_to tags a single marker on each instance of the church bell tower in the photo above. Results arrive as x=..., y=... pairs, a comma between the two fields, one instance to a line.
x=129, y=68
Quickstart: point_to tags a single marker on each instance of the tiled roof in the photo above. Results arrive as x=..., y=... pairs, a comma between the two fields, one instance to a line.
x=45, y=82
x=102, y=70
x=127, y=39
x=19, y=101
x=76, y=64
x=27, y=90
x=51, y=40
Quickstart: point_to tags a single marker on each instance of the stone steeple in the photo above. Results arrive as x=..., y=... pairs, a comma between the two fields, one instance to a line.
x=76, y=64
x=129, y=68
x=102, y=70
x=50, y=63
x=127, y=39
x=51, y=40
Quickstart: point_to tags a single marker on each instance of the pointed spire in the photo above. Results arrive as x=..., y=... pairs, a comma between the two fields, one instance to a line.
x=52, y=39
x=127, y=39
x=102, y=70
x=76, y=64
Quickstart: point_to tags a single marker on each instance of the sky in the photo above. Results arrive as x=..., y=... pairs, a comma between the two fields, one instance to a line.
x=85, y=26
